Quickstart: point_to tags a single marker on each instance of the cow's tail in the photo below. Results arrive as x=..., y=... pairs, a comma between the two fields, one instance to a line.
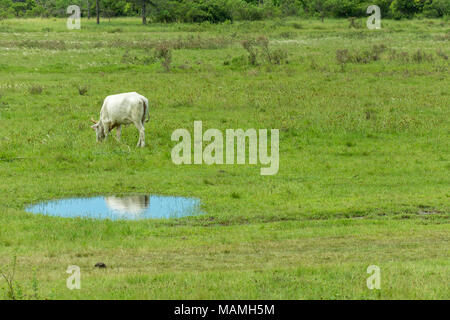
x=146, y=115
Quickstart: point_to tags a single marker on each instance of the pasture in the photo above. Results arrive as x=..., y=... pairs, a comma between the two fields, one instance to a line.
x=364, y=158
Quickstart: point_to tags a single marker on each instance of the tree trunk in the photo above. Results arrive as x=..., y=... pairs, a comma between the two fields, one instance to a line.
x=144, y=18
x=89, y=9
x=97, y=7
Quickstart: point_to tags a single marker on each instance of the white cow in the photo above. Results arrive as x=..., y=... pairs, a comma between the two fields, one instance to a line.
x=119, y=109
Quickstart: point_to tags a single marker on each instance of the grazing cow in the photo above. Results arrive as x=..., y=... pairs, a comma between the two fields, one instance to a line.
x=122, y=109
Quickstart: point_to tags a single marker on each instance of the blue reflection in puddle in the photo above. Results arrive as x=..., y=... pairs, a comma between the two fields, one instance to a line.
x=135, y=207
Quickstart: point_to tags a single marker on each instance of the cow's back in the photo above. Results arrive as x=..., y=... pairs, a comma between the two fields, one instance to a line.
x=123, y=107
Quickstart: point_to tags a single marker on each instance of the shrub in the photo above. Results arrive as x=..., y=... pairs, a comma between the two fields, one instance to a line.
x=216, y=11
x=342, y=56
x=249, y=46
x=163, y=52
x=128, y=58
x=242, y=10
x=356, y=24
x=238, y=62
x=297, y=25
x=35, y=89
x=13, y=290
x=276, y=56
x=378, y=49
x=344, y=8
x=374, y=54
x=421, y=56
x=436, y=8
x=290, y=7
x=82, y=90
x=404, y=56
x=384, y=7
x=6, y=13
x=263, y=43
x=200, y=10
x=115, y=30
x=279, y=56
x=442, y=54
x=314, y=65
x=404, y=8
x=235, y=195
x=260, y=48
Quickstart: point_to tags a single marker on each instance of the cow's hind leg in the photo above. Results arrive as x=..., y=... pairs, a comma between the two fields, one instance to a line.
x=141, y=129
x=118, y=132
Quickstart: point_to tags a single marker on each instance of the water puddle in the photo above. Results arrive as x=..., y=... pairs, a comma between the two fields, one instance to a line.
x=120, y=207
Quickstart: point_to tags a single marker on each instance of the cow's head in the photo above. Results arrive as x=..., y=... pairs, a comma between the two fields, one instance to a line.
x=99, y=130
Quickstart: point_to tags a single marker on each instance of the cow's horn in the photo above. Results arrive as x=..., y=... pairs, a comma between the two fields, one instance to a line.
x=93, y=121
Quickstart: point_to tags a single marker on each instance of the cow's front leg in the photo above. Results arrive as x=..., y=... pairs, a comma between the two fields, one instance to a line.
x=106, y=129
x=119, y=132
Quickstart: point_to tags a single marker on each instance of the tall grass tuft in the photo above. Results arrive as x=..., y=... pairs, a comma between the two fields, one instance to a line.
x=249, y=46
x=82, y=90
x=35, y=89
x=259, y=48
x=12, y=288
x=442, y=54
x=421, y=56
x=163, y=52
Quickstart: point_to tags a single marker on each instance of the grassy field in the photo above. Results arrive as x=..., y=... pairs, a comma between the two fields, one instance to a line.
x=364, y=159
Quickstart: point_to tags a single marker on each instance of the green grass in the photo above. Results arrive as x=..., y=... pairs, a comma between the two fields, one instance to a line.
x=364, y=160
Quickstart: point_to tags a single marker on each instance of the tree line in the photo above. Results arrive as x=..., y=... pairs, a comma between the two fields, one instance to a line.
x=222, y=10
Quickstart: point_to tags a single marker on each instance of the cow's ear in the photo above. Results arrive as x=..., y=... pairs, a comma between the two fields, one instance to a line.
x=94, y=127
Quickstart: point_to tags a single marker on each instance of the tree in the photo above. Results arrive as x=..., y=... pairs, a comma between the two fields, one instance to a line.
x=144, y=18
x=143, y=4
x=6, y=9
x=304, y=5
x=97, y=8
x=323, y=7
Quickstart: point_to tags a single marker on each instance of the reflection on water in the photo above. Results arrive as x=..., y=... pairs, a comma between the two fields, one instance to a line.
x=120, y=208
x=130, y=204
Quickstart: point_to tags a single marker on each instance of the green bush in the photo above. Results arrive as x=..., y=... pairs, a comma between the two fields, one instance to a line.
x=214, y=11
x=404, y=8
x=436, y=8
x=346, y=8
x=217, y=11
x=242, y=10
